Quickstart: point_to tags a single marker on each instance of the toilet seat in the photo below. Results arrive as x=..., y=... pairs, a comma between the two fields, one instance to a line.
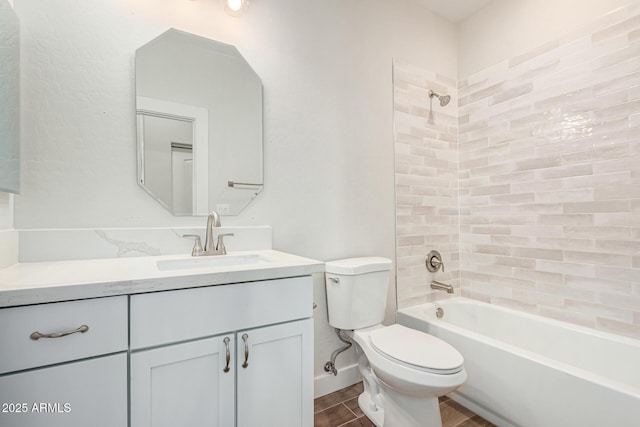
x=416, y=350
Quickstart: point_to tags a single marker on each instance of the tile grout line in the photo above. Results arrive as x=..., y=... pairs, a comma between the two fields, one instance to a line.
x=345, y=423
x=354, y=414
x=329, y=407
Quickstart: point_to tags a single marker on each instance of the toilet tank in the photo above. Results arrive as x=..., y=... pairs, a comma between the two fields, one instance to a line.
x=357, y=291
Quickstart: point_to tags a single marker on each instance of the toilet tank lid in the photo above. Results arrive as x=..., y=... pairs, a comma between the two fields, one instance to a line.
x=362, y=265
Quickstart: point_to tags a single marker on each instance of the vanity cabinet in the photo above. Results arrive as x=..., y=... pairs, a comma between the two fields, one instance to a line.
x=53, y=374
x=275, y=386
x=238, y=354
x=183, y=385
x=229, y=355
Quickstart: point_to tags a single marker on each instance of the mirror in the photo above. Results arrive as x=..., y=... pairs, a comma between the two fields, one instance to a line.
x=9, y=99
x=199, y=125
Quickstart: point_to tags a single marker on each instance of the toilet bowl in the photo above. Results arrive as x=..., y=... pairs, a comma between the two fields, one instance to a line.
x=404, y=370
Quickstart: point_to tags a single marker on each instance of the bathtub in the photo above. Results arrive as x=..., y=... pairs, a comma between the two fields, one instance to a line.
x=527, y=370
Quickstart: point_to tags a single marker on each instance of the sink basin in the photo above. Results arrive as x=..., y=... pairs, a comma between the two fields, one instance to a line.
x=215, y=261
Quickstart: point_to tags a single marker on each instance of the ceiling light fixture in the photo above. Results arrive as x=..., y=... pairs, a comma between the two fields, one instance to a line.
x=235, y=7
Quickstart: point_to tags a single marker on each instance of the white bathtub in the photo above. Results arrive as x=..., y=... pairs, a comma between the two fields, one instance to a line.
x=527, y=370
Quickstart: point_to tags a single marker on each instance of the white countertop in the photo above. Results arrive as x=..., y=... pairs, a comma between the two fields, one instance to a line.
x=43, y=282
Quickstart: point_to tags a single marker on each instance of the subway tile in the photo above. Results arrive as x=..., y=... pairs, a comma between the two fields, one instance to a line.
x=624, y=27
x=516, y=284
x=622, y=302
x=564, y=243
x=566, y=219
x=538, y=230
x=510, y=199
x=617, y=327
x=486, y=92
x=491, y=290
x=598, y=285
x=490, y=190
x=566, y=292
x=599, y=310
x=565, y=171
x=550, y=254
x=617, y=273
x=567, y=268
x=564, y=195
x=618, y=246
x=626, y=164
x=620, y=191
x=610, y=206
x=631, y=51
x=536, y=298
x=609, y=259
x=537, y=208
x=511, y=93
x=616, y=219
x=515, y=262
x=617, y=111
x=621, y=83
x=563, y=99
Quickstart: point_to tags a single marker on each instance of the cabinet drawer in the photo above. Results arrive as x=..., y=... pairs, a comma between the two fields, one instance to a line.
x=86, y=393
x=172, y=316
x=106, y=319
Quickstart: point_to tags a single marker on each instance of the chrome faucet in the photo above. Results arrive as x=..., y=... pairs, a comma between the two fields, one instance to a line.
x=213, y=221
x=441, y=286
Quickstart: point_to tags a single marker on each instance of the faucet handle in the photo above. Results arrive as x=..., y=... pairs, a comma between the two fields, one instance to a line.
x=220, y=248
x=433, y=262
x=197, y=245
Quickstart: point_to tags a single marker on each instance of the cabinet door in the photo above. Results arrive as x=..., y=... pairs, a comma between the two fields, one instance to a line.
x=86, y=393
x=275, y=385
x=184, y=385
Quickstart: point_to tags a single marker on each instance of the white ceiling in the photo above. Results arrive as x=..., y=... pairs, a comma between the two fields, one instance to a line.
x=454, y=10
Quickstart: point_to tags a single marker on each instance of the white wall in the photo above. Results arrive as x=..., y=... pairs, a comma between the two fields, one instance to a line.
x=506, y=28
x=326, y=71
x=8, y=237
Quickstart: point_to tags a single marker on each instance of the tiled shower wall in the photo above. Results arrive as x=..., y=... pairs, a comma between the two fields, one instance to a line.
x=426, y=158
x=549, y=181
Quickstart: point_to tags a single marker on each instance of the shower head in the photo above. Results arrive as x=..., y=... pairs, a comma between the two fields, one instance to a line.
x=444, y=99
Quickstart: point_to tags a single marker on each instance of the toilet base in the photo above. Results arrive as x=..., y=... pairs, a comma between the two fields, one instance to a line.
x=410, y=411
x=371, y=410
x=403, y=411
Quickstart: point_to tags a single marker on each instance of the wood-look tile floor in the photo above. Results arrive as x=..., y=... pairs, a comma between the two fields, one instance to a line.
x=340, y=409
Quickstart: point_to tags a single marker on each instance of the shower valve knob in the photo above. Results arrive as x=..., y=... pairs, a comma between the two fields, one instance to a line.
x=433, y=262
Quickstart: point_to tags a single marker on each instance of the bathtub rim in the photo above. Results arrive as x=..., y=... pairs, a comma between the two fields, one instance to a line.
x=416, y=312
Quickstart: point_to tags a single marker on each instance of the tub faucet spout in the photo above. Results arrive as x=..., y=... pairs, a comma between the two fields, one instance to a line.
x=441, y=286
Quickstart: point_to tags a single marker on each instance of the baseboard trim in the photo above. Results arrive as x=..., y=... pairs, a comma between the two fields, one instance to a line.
x=328, y=383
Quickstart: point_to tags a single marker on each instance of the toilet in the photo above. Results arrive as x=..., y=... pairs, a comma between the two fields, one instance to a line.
x=403, y=370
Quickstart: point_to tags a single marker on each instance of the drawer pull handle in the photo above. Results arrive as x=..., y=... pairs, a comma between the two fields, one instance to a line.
x=37, y=335
x=228, y=356
x=245, y=338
